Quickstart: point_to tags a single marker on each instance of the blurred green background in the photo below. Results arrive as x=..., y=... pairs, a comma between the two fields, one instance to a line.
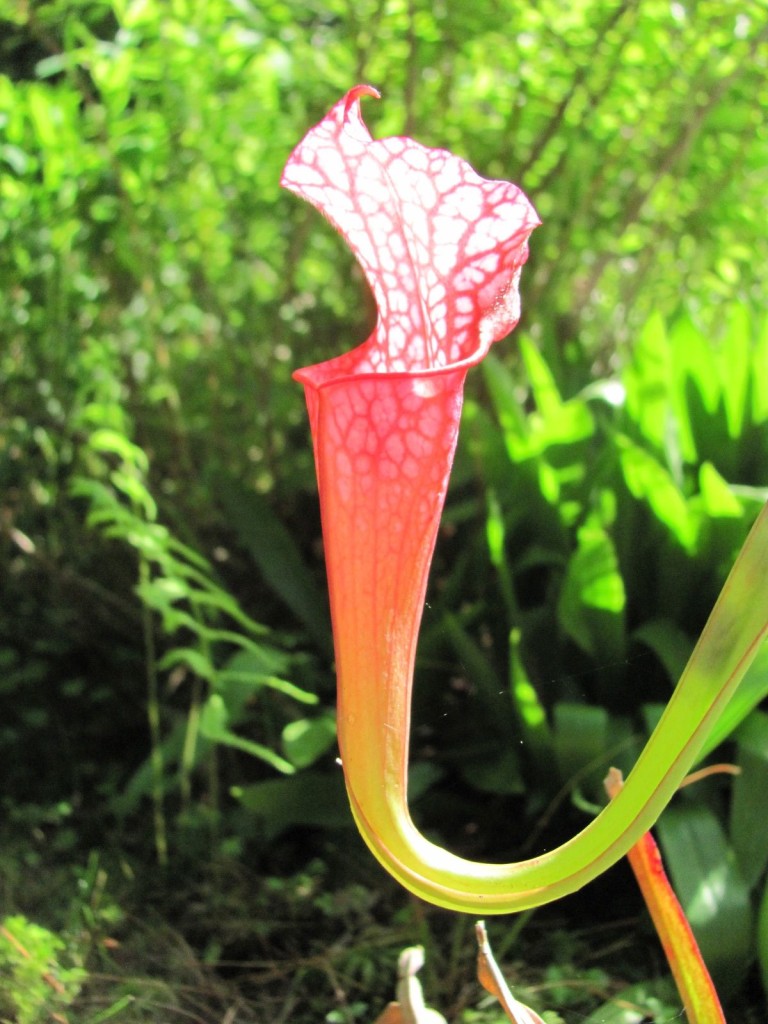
x=167, y=680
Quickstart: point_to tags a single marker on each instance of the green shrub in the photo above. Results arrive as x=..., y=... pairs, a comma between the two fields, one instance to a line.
x=38, y=978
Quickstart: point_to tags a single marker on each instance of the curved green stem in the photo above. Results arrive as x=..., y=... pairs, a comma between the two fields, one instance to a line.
x=729, y=642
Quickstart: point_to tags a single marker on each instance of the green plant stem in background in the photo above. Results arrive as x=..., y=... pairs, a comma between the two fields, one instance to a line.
x=153, y=718
x=191, y=736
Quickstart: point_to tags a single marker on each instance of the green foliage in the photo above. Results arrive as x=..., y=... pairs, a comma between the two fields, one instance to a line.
x=612, y=517
x=711, y=889
x=38, y=981
x=606, y=532
x=637, y=1004
x=156, y=291
x=747, y=829
x=227, y=660
x=606, y=541
x=141, y=153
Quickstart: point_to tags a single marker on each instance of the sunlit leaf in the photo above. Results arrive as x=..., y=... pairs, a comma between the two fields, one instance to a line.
x=710, y=887
x=592, y=598
x=214, y=725
x=649, y=481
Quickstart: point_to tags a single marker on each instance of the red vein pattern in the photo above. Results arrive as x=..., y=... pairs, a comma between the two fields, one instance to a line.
x=442, y=249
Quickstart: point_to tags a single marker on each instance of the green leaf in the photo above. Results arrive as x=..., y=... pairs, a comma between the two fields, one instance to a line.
x=647, y=379
x=581, y=739
x=498, y=773
x=697, y=386
x=735, y=363
x=717, y=498
x=422, y=775
x=307, y=739
x=571, y=423
x=759, y=376
x=555, y=422
x=591, y=603
x=541, y=380
x=669, y=643
x=110, y=442
x=644, y=1002
x=749, y=803
x=477, y=665
x=256, y=660
x=647, y=480
x=711, y=889
x=276, y=554
x=529, y=708
x=163, y=591
x=311, y=799
x=214, y=725
x=762, y=937
x=507, y=401
x=133, y=488
x=194, y=660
